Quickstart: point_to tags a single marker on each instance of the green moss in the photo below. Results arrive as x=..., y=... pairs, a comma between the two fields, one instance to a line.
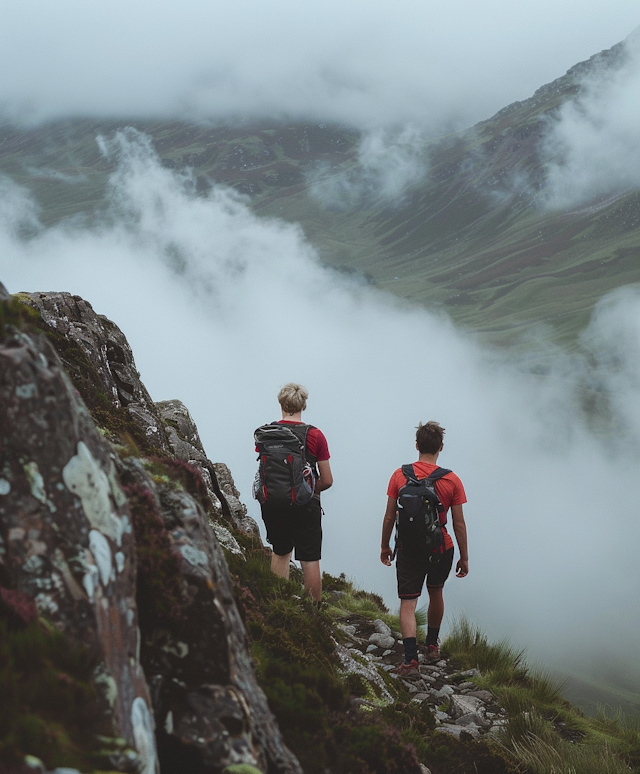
x=16, y=315
x=186, y=475
x=49, y=707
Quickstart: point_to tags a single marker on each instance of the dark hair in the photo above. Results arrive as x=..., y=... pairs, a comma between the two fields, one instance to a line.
x=429, y=437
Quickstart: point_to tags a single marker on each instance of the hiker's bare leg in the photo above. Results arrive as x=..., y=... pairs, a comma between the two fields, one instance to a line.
x=312, y=579
x=408, y=626
x=435, y=612
x=280, y=565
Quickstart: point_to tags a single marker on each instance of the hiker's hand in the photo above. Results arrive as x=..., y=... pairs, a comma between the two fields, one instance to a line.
x=385, y=556
x=462, y=568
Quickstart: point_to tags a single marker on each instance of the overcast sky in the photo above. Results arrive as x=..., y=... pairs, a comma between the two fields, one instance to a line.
x=366, y=63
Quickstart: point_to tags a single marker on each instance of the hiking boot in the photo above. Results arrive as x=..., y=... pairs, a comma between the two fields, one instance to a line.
x=407, y=670
x=432, y=653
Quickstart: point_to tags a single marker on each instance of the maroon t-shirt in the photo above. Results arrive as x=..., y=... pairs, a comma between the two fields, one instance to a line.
x=316, y=441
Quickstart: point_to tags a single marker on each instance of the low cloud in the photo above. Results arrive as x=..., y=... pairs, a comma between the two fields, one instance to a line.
x=389, y=163
x=222, y=308
x=593, y=142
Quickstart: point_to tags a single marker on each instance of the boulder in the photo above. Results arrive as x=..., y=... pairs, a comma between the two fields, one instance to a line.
x=65, y=532
x=464, y=733
x=472, y=718
x=460, y=705
x=381, y=628
x=384, y=641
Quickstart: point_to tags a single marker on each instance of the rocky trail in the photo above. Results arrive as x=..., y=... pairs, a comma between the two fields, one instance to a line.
x=459, y=707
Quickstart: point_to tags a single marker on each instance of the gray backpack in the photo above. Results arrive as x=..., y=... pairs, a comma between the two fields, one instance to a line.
x=284, y=475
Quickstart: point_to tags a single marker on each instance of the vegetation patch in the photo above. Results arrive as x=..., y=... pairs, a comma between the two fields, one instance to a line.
x=320, y=710
x=298, y=669
x=49, y=708
x=544, y=734
x=186, y=475
x=15, y=315
x=159, y=592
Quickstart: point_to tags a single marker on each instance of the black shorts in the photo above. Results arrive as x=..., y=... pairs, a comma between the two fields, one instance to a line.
x=413, y=568
x=295, y=526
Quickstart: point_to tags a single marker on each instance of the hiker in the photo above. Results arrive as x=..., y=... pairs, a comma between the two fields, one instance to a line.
x=416, y=562
x=291, y=503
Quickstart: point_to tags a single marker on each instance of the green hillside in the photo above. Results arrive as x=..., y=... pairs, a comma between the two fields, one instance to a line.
x=471, y=237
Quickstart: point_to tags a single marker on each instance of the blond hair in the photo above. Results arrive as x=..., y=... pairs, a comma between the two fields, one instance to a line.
x=293, y=398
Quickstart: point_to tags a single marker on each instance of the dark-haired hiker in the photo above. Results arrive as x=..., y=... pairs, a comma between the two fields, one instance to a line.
x=415, y=564
x=300, y=526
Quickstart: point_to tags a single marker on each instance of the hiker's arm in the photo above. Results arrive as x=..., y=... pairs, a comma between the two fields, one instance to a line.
x=387, y=528
x=460, y=530
x=326, y=476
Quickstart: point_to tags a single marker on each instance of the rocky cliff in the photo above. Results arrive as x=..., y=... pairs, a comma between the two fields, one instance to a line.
x=116, y=605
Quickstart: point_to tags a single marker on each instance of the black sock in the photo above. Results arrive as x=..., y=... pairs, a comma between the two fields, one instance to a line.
x=410, y=649
x=432, y=635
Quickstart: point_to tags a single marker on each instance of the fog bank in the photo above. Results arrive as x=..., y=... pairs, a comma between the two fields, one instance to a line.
x=222, y=308
x=365, y=64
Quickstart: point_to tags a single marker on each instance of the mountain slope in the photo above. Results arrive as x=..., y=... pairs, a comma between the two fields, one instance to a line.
x=470, y=236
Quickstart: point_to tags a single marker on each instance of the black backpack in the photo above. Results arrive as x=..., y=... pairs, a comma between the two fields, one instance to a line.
x=419, y=507
x=284, y=475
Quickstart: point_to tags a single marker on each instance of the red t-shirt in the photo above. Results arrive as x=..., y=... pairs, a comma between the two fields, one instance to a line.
x=317, y=445
x=449, y=489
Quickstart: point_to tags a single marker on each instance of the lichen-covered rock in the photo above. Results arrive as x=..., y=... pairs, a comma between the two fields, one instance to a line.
x=65, y=532
x=181, y=430
x=238, y=510
x=208, y=705
x=186, y=445
x=352, y=663
x=108, y=351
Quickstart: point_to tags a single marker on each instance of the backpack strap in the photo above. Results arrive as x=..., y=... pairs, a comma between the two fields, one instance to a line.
x=301, y=432
x=409, y=473
x=438, y=473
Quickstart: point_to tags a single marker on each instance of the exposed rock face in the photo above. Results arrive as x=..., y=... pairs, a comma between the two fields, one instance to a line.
x=65, y=531
x=104, y=541
x=185, y=443
x=208, y=704
x=107, y=349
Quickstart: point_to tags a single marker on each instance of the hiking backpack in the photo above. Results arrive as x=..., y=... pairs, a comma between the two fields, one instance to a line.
x=419, y=508
x=284, y=474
